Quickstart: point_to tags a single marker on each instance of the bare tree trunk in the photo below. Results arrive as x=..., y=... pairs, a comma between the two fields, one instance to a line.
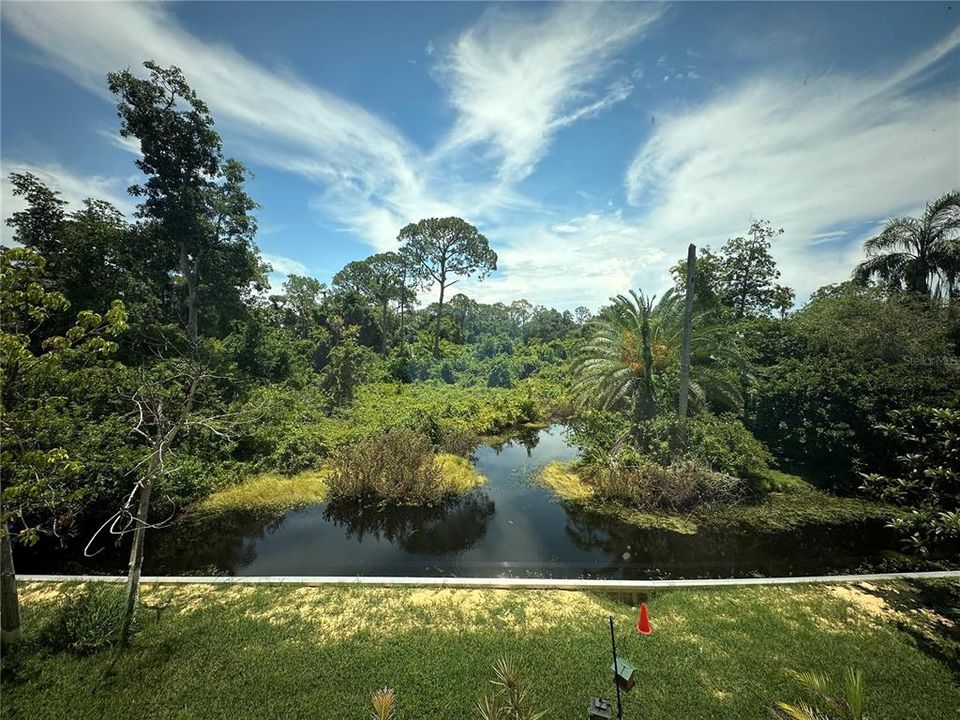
x=685, y=342
x=402, y=329
x=436, y=330
x=190, y=277
x=9, y=600
x=136, y=550
x=383, y=323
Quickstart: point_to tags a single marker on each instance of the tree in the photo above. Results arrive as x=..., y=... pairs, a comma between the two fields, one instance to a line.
x=300, y=304
x=747, y=271
x=635, y=342
x=443, y=248
x=782, y=300
x=464, y=311
x=582, y=315
x=173, y=396
x=928, y=452
x=33, y=470
x=92, y=255
x=918, y=254
x=520, y=312
x=616, y=365
x=196, y=198
x=381, y=279
x=834, y=369
x=348, y=366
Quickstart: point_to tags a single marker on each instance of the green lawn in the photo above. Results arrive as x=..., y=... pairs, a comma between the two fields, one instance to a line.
x=297, y=652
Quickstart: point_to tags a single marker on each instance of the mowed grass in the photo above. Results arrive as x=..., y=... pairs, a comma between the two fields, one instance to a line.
x=258, y=652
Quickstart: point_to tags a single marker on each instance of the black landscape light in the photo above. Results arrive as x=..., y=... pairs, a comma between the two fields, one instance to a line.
x=623, y=679
x=599, y=709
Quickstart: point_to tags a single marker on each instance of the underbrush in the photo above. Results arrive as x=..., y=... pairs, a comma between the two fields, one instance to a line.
x=681, y=486
x=298, y=430
x=398, y=467
x=789, y=502
x=719, y=442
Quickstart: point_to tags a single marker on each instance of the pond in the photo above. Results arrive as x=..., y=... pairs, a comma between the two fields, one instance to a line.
x=510, y=526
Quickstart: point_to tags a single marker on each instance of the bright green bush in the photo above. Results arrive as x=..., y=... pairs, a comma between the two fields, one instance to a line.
x=719, y=442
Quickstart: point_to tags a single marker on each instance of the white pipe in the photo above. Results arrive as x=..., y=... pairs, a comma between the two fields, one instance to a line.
x=500, y=582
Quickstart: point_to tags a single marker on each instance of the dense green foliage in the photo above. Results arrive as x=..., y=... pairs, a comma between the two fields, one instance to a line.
x=101, y=311
x=927, y=441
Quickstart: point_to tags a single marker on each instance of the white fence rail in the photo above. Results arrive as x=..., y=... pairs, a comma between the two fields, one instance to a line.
x=494, y=582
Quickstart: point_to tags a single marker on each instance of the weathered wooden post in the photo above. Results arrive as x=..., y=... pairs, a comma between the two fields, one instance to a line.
x=685, y=347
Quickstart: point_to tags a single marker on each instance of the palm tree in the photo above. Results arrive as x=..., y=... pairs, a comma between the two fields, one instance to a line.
x=634, y=341
x=921, y=254
x=829, y=704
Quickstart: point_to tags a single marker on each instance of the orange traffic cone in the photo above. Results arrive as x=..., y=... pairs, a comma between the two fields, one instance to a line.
x=643, y=622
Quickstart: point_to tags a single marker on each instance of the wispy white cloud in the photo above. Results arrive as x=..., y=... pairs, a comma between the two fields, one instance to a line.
x=284, y=265
x=516, y=76
x=811, y=155
x=271, y=114
x=581, y=260
x=127, y=144
x=819, y=158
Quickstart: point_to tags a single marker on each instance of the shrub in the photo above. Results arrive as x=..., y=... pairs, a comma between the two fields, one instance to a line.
x=446, y=373
x=304, y=447
x=459, y=441
x=500, y=375
x=87, y=622
x=928, y=444
x=719, y=442
x=681, y=486
x=395, y=467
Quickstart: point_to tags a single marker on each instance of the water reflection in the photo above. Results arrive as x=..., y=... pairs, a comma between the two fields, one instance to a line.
x=509, y=526
x=447, y=527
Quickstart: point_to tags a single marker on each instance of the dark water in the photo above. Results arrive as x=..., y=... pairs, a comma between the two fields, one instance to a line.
x=510, y=526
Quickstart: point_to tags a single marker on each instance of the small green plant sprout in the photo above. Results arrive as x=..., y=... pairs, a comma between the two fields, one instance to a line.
x=826, y=702
x=384, y=703
x=511, y=698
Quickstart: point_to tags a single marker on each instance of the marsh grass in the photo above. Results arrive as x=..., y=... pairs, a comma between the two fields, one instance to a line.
x=457, y=474
x=562, y=479
x=274, y=493
x=248, y=651
x=788, y=502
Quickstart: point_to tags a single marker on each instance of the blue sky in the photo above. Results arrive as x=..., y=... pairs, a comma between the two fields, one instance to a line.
x=589, y=142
